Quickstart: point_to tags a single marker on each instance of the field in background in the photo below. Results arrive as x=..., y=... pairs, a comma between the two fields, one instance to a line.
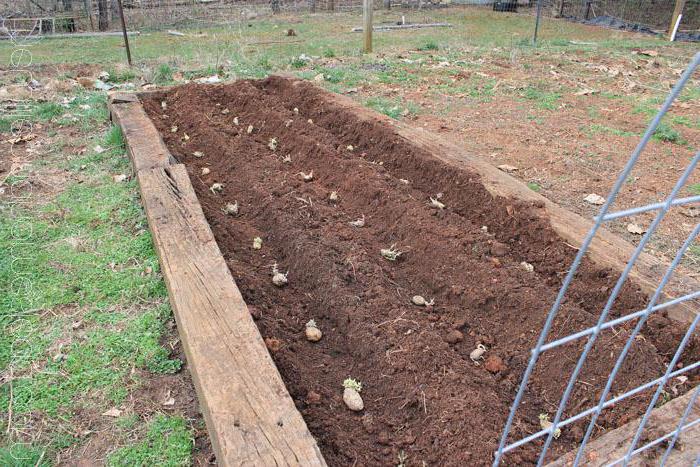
x=89, y=356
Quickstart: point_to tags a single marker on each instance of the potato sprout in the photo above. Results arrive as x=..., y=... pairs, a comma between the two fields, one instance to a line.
x=420, y=301
x=359, y=222
x=272, y=144
x=257, y=243
x=546, y=424
x=478, y=353
x=231, y=209
x=436, y=204
x=351, y=383
x=391, y=253
x=279, y=279
x=313, y=333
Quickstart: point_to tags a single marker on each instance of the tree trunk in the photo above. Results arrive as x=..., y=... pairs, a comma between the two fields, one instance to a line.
x=70, y=22
x=103, y=12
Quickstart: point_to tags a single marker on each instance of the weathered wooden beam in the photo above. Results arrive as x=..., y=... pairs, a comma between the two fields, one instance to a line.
x=143, y=142
x=250, y=416
x=613, y=445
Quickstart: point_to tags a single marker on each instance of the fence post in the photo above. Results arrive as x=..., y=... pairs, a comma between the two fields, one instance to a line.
x=537, y=21
x=126, y=34
x=367, y=25
x=680, y=4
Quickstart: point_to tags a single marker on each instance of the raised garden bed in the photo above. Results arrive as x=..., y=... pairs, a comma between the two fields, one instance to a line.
x=426, y=400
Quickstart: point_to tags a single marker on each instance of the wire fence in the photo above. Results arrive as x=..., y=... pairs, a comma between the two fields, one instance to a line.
x=563, y=417
x=84, y=15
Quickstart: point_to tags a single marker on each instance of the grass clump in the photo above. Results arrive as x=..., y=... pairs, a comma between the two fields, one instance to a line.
x=163, y=74
x=394, y=109
x=545, y=100
x=430, y=44
x=666, y=133
x=167, y=442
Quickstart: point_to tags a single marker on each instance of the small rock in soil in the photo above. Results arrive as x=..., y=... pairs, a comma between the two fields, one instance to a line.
x=459, y=324
x=257, y=243
x=273, y=344
x=313, y=398
x=353, y=400
x=368, y=423
x=635, y=229
x=454, y=337
x=206, y=171
x=499, y=249
x=384, y=438
x=527, y=266
x=594, y=199
x=495, y=364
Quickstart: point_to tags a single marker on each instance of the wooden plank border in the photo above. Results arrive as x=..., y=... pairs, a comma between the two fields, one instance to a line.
x=250, y=416
x=613, y=445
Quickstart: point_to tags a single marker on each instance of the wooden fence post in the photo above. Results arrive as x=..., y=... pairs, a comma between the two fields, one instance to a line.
x=367, y=25
x=680, y=4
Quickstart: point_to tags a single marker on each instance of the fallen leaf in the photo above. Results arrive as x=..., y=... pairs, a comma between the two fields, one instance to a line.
x=586, y=92
x=113, y=412
x=649, y=53
x=594, y=199
x=691, y=212
x=99, y=149
x=507, y=168
x=635, y=229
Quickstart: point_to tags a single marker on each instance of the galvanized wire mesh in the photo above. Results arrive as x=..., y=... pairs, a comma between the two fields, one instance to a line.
x=592, y=333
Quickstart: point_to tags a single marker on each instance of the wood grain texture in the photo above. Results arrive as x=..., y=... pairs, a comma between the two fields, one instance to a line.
x=143, y=142
x=607, y=249
x=250, y=416
x=613, y=445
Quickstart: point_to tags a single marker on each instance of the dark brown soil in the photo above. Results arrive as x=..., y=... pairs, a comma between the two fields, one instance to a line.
x=424, y=397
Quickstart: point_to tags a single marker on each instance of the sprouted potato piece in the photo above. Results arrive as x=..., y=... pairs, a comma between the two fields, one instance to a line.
x=307, y=177
x=231, y=209
x=359, y=222
x=279, y=279
x=545, y=424
x=420, y=301
x=257, y=243
x=313, y=333
x=272, y=144
x=391, y=253
x=436, y=204
x=216, y=188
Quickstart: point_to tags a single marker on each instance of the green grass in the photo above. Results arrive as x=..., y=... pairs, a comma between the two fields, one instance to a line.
x=666, y=133
x=694, y=189
x=428, y=45
x=392, y=108
x=597, y=128
x=168, y=443
x=163, y=74
x=534, y=186
x=546, y=100
x=80, y=269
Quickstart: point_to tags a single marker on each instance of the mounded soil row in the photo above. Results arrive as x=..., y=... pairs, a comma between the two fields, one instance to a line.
x=425, y=400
